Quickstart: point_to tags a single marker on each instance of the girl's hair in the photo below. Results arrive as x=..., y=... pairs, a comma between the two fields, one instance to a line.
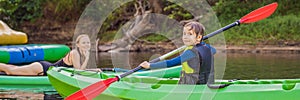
x=197, y=27
x=82, y=58
x=80, y=36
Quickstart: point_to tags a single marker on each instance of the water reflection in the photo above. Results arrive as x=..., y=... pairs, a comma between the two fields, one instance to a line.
x=238, y=66
x=262, y=66
x=125, y=60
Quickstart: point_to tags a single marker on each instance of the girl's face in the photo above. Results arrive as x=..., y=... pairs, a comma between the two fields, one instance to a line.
x=189, y=37
x=84, y=43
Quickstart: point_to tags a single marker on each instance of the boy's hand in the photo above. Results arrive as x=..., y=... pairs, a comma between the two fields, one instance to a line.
x=145, y=65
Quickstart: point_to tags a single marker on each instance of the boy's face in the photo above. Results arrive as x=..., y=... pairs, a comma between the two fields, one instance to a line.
x=189, y=37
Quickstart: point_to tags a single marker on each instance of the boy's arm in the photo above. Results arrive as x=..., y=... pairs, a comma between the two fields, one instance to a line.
x=213, y=49
x=186, y=55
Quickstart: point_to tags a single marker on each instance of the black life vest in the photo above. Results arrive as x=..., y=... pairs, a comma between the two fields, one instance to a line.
x=200, y=69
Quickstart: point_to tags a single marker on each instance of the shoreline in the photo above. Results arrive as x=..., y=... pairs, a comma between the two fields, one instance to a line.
x=259, y=49
x=264, y=49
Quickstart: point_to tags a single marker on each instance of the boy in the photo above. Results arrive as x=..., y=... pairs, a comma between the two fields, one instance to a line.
x=196, y=60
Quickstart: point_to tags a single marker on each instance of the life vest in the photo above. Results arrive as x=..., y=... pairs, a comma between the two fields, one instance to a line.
x=200, y=69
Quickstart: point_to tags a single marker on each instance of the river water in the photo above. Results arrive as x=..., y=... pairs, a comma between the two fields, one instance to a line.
x=238, y=66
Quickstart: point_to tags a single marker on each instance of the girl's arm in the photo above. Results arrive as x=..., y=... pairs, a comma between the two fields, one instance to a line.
x=95, y=70
x=87, y=56
x=76, y=60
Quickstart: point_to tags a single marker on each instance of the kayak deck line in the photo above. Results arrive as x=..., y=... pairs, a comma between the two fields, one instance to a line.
x=153, y=87
x=141, y=75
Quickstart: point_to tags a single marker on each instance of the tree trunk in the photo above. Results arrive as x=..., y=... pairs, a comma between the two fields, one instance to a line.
x=140, y=25
x=143, y=23
x=156, y=5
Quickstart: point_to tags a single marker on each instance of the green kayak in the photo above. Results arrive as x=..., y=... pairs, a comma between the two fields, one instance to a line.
x=153, y=88
x=9, y=82
x=37, y=83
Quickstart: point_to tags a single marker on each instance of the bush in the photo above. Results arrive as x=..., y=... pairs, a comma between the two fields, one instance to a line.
x=16, y=11
x=280, y=26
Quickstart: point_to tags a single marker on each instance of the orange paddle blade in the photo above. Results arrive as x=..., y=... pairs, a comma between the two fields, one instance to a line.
x=92, y=91
x=259, y=13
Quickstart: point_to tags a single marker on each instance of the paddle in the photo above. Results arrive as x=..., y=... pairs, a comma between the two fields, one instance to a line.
x=97, y=88
x=114, y=69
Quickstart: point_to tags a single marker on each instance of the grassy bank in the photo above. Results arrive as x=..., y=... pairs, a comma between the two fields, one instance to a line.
x=273, y=31
x=279, y=29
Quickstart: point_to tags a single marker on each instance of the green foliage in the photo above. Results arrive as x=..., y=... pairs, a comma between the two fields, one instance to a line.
x=119, y=17
x=154, y=38
x=107, y=36
x=64, y=10
x=116, y=19
x=270, y=31
x=230, y=10
x=175, y=11
x=280, y=26
x=16, y=11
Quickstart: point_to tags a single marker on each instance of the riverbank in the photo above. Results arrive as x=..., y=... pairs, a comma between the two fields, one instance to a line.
x=167, y=47
x=263, y=49
x=63, y=34
x=252, y=49
x=53, y=22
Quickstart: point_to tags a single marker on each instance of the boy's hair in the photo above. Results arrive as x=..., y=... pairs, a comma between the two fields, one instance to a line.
x=196, y=26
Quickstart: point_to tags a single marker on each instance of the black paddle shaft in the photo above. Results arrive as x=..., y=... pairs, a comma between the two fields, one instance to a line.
x=136, y=69
x=221, y=30
x=204, y=38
